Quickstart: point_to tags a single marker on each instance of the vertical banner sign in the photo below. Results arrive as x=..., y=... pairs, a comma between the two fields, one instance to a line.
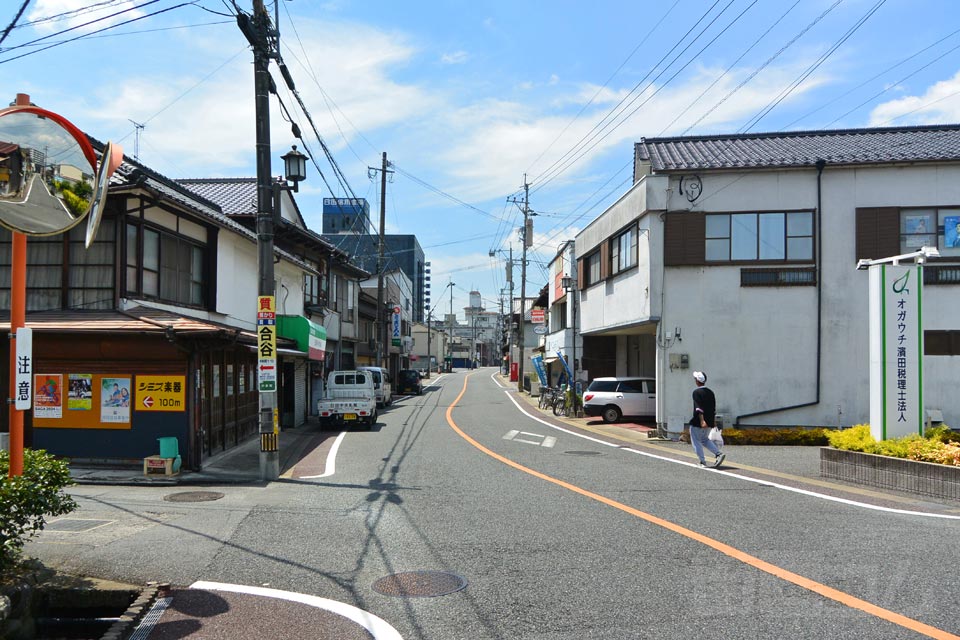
x=396, y=327
x=24, y=379
x=266, y=343
x=896, y=351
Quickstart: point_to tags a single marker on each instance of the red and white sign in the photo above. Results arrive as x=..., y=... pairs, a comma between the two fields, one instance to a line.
x=537, y=316
x=148, y=401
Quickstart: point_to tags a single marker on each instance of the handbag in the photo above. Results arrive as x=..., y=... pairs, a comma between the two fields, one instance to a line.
x=716, y=437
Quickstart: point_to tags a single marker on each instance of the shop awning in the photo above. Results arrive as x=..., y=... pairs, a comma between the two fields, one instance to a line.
x=309, y=336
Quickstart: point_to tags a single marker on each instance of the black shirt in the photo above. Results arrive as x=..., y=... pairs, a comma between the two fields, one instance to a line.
x=704, y=401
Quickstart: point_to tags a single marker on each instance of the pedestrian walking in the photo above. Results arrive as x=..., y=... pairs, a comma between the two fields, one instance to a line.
x=704, y=419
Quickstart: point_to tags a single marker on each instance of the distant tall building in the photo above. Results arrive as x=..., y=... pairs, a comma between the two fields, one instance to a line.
x=346, y=215
x=401, y=252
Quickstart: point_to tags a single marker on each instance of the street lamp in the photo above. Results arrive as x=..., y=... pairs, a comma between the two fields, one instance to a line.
x=570, y=286
x=429, y=316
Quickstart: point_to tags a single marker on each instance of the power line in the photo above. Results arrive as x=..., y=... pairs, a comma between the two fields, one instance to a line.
x=51, y=46
x=755, y=120
x=13, y=22
x=730, y=67
x=763, y=66
x=606, y=82
x=611, y=112
x=596, y=140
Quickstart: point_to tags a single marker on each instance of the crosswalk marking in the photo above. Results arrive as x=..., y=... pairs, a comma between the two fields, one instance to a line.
x=532, y=438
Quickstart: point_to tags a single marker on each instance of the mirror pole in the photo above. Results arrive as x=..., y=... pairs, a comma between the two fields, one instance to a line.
x=18, y=311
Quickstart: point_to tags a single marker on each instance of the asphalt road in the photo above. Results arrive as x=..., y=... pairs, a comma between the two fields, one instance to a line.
x=556, y=537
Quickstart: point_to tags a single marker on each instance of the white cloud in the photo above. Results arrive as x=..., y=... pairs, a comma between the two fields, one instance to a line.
x=78, y=15
x=940, y=103
x=457, y=57
x=209, y=130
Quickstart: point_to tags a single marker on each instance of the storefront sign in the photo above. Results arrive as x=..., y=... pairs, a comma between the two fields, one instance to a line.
x=896, y=351
x=396, y=327
x=537, y=316
x=266, y=343
x=161, y=393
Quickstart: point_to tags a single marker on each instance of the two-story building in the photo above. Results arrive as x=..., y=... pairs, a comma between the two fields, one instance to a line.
x=151, y=332
x=737, y=255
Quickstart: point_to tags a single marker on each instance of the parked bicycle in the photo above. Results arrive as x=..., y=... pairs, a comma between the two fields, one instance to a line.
x=547, y=396
x=563, y=402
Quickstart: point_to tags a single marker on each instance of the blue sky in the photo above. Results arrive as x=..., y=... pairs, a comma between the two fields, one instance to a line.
x=467, y=97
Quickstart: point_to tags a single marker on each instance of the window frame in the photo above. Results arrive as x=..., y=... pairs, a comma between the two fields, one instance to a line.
x=726, y=234
x=617, y=263
x=183, y=275
x=591, y=262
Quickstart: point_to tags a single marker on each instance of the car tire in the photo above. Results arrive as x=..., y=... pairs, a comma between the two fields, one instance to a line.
x=611, y=413
x=372, y=420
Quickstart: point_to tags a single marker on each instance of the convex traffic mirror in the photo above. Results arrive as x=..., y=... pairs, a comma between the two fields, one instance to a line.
x=48, y=180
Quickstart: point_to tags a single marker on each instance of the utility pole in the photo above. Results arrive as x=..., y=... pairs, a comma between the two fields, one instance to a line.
x=262, y=39
x=382, y=348
x=527, y=235
x=450, y=335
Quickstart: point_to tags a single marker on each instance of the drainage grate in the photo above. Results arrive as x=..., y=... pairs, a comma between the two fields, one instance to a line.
x=193, y=496
x=420, y=584
x=583, y=453
x=75, y=525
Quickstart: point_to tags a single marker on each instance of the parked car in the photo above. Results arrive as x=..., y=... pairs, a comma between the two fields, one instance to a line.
x=408, y=381
x=381, y=385
x=613, y=398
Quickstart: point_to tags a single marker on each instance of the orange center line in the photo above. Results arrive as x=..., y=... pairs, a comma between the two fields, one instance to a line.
x=772, y=569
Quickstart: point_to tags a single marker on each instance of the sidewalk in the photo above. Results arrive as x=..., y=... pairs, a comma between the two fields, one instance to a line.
x=239, y=465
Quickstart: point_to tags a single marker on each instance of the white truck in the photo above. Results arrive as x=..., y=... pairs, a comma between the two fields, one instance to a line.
x=349, y=397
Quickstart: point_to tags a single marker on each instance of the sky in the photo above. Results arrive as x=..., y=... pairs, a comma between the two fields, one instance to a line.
x=471, y=100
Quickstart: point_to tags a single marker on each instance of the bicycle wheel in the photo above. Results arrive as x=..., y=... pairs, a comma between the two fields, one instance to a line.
x=560, y=407
x=544, y=397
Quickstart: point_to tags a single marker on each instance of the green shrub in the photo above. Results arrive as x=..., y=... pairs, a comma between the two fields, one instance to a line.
x=795, y=436
x=25, y=500
x=938, y=445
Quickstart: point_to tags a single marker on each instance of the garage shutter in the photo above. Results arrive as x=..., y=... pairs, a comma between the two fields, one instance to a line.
x=300, y=394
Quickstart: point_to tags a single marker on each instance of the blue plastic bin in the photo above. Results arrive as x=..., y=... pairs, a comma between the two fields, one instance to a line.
x=169, y=447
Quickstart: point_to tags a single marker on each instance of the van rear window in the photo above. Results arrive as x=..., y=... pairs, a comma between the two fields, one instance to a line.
x=603, y=385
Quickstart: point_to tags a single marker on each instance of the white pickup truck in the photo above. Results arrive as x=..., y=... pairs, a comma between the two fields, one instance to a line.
x=349, y=396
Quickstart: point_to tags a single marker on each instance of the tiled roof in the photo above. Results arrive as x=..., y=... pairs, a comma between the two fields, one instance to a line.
x=132, y=175
x=136, y=320
x=234, y=195
x=802, y=148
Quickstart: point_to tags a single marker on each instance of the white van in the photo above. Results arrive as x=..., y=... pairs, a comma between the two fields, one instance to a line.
x=381, y=384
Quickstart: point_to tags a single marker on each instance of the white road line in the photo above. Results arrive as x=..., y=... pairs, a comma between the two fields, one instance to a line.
x=377, y=627
x=511, y=435
x=331, y=467
x=731, y=474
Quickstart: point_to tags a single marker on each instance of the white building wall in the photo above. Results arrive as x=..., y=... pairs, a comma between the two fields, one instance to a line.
x=630, y=298
x=758, y=344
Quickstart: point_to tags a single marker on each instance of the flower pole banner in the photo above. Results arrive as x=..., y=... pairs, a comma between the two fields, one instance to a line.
x=896, y=351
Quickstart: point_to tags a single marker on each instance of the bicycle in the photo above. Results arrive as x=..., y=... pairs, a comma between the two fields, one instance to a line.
x=563, y=402
x=547, y=395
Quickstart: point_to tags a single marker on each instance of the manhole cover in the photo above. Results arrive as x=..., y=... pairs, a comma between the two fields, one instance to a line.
x=75, y=524
x=419, y=584
x=193, y=496
x=583, y=453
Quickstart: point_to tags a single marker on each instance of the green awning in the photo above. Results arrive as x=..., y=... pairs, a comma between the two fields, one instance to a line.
x=310, y=336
